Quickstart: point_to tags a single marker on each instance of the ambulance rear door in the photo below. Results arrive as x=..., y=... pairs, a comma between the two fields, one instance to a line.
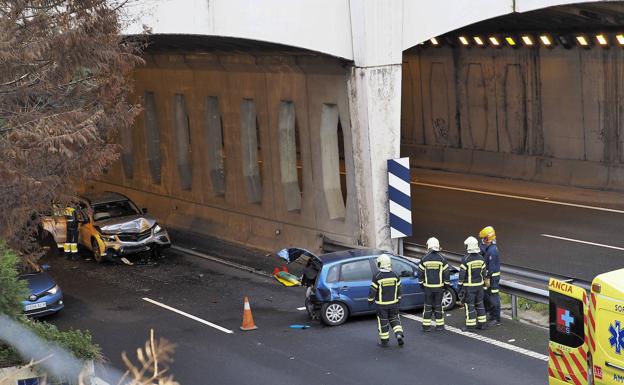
x=567, y=348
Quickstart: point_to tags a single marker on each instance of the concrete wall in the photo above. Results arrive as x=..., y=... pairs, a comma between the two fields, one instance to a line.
x=548, y=115
x=311, y=84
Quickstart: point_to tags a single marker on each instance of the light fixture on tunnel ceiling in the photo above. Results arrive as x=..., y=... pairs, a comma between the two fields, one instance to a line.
x=479, y=41
x=434, y=41
x=602, y=40
x=620, y=39
x=494, y=41
x=546, y=40
x=527, y=40
x=565, y=41
x=582, y=41
x=511, y=41
x=464, y=41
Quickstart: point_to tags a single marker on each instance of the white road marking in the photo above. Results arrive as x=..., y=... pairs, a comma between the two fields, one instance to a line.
x=220, y=328
x=520, y=197
x=301, y=308
x=487, y=340
x=585, y=242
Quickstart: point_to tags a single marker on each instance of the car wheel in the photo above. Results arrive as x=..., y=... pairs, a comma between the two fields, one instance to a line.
x=95, y=251
x=334, y=313
x=448, y=299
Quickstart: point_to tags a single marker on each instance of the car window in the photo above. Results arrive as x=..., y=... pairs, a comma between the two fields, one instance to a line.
x=399, y=267
x=356, y=271
x=566, y=320
x=114, y=210
x=333, y=274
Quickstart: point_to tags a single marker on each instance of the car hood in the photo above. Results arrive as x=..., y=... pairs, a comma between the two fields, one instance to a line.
x=129, y=224
x=292, y=254
x=38, y=282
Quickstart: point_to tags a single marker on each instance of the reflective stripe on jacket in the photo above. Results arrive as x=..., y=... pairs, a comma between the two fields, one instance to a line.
x=385, y=288
x=433, y=270
x=472, y=270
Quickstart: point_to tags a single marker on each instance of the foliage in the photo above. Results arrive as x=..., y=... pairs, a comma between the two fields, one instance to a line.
x=78, y=342
x=12, y=289
x=63, y=96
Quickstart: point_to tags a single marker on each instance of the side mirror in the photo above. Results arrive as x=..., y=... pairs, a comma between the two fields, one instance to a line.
x=45, y=267
x=144, y=210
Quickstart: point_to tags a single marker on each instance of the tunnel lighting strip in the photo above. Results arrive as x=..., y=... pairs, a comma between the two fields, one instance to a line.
x=527, y=40
x=620, y=39
x=584, y=242
x=520, y=197
x=602, y=40
x=547, y=40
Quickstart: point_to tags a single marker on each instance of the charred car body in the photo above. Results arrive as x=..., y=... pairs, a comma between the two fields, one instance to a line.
x=110, y=227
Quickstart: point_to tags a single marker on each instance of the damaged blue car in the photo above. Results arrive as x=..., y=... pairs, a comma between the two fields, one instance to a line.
x=338, y=283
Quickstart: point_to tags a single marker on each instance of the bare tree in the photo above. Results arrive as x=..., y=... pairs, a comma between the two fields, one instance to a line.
x=63, y=97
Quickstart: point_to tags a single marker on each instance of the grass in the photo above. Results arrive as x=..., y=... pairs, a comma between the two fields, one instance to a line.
x=525, y=304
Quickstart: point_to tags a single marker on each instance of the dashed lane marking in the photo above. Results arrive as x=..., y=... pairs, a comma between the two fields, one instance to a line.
x=488, y=340
x=584, y=242
x=520, y=197
x=301, y=308
x=220, y=328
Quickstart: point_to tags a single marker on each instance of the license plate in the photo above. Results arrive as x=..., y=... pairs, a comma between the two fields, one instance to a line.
x=35, y=306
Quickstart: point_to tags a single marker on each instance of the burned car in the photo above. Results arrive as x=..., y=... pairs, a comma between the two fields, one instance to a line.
x=110, y=227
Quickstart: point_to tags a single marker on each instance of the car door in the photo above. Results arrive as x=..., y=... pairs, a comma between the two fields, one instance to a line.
x=354, y=284
x=412, y=295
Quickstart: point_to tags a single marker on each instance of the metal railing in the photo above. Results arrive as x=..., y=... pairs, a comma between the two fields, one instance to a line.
x=515, y=281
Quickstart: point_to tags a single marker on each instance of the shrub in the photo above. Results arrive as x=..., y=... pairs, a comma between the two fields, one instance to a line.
x=12, y=290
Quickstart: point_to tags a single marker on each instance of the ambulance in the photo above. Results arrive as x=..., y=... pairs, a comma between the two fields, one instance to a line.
x=587, y=331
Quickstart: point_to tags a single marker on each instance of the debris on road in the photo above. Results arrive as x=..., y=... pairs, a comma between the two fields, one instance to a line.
x=299, y=326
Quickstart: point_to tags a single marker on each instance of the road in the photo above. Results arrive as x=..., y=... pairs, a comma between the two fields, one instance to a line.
x=534, y=234
x=108, y=300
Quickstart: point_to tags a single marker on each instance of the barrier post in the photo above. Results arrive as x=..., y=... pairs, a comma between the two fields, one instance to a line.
x=514, y=307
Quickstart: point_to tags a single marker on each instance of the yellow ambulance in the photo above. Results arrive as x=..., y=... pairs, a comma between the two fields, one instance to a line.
x=587, y=331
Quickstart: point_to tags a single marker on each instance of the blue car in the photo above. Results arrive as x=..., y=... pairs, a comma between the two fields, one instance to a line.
x=45, y=296
x=338, y=283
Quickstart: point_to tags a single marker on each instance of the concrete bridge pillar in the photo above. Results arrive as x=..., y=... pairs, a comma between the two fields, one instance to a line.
x=375, y=109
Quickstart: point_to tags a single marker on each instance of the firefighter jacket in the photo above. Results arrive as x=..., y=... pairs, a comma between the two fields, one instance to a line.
x=492, y=263
x=433, y=271
x=70, y=218
x=385, y=288
x=472, y=270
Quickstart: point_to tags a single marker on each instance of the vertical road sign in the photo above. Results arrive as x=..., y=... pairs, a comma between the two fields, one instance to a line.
x=399, y=197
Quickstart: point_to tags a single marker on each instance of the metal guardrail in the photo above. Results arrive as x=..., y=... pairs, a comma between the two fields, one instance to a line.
x=515, y=281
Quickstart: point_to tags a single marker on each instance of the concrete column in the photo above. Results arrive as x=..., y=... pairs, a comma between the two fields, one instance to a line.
x=375, y=110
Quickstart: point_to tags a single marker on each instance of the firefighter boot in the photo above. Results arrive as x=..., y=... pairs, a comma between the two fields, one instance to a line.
x=383, y=343
x=399, y=338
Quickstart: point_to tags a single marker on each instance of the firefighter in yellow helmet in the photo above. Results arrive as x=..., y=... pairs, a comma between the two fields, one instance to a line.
x=385, y=291
x=433, y=274
x=70, y=247
x=471, y=278
x=490, y=253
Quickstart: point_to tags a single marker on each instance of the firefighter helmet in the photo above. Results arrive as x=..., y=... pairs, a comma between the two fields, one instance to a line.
x=472, y=245
x=384, y=262
x=433, y=244
x=487, y=233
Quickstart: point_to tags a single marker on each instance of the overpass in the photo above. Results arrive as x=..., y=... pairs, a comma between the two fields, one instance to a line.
x=269, y=123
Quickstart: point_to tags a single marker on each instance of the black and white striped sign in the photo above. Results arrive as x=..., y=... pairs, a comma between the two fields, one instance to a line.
x=400, y=198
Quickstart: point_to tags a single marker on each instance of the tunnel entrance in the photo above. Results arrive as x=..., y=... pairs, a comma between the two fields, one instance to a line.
x=532, y=96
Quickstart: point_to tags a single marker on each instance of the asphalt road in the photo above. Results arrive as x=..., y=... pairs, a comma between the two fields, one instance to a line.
x=451, y=216
x=107, y=299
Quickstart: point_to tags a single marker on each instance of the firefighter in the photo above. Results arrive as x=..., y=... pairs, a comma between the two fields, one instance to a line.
x=385, y=291
x=471, y=279
x=70, y=247
x=489, y=250
x=433, y=274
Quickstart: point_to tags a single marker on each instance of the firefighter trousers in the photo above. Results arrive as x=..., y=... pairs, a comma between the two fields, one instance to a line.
x=492, y=304
x=433, y=304
x=388, y=316
x=473, y=303
x=70, y=247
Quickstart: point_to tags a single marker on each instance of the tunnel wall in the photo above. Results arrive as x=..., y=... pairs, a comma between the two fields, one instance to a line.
x=212, y=150
x=546, y=115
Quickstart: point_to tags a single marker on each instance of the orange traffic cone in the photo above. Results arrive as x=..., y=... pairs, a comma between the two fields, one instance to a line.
x=248, y=322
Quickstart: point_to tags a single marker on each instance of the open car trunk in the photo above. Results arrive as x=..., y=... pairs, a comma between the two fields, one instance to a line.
x=313, y=265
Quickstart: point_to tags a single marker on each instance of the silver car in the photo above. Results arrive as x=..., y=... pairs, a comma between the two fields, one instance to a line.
x=110, y=227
